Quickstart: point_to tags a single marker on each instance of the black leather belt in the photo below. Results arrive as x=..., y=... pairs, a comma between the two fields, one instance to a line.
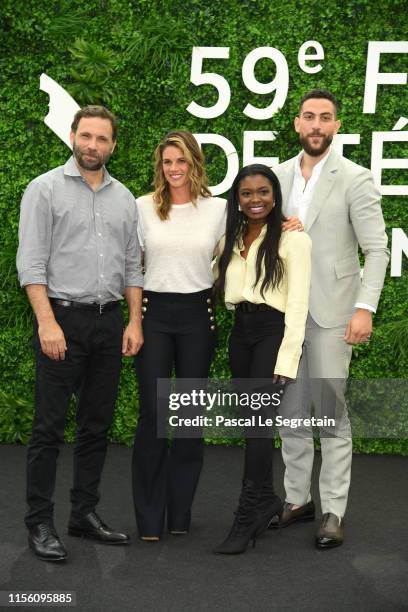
x=86, y=306
x=250, y=307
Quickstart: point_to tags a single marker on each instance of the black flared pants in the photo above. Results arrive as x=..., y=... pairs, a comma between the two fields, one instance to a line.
x=179, y=332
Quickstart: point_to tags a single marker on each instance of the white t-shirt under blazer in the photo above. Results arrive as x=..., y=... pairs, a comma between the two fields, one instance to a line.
x=178, y=252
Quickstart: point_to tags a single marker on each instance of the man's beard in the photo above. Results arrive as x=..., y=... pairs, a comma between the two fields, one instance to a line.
x=316, y=151
x=94, y=164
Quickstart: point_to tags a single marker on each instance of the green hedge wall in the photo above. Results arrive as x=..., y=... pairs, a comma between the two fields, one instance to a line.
x=134, y=56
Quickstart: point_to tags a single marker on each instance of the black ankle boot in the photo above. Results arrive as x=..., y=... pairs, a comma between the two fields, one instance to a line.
x=245, y=525
x=269, y=505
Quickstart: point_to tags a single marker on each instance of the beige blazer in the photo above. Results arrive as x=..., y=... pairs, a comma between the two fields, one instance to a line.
x=345, y=213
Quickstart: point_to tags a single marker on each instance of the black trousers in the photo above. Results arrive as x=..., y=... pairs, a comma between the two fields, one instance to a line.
x=93, y=361
x=253, y=348
x=179, y=331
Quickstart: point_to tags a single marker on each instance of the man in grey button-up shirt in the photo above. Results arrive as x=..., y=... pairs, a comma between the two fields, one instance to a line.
x=78, y=256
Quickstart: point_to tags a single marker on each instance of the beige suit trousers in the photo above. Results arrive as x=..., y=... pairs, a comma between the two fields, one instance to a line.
x=321, y=382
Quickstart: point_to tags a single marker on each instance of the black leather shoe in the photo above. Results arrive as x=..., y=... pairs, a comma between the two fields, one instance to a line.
x=303, y=514
x=91, y=526
x=45, y=543
x=330, y=532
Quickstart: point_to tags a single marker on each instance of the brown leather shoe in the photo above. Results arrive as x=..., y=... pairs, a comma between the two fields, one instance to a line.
x=330, y=532
x=303, y=514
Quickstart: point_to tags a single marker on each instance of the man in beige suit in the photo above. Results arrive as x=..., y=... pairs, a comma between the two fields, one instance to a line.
x=339, y=206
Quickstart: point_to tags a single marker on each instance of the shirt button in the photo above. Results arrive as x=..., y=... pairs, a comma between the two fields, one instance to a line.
x=99, y=234
x=100, y=254
x=101, y=275
x=97, y=214
x=99, y=295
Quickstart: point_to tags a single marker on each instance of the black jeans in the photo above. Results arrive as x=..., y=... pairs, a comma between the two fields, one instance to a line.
x=253, y=349
x=179, y=331
x=93, y=361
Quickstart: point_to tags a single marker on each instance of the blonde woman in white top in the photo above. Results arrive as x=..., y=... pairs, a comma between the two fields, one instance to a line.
x=180, y=225
x=264, y=272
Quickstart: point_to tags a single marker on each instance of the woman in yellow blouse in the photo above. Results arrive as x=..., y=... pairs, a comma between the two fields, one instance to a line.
x=264, y=273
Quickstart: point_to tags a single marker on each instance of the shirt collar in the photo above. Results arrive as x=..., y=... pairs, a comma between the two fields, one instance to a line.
x=71, y=169
x=239, y=243
x=316, y=169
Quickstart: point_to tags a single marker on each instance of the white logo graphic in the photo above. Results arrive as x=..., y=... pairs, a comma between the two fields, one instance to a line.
x=62, y=108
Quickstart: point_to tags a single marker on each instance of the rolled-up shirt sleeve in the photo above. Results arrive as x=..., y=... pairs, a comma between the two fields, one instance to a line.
x=35, y=232
x=133, y=258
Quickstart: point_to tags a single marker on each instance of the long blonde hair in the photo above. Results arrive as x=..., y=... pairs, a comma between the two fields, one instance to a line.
x=186, y=142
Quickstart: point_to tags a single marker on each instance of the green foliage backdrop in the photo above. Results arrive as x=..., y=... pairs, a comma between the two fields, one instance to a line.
x=134, y=56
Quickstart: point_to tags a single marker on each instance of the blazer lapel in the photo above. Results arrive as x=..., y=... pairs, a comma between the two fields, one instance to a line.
x=322, y=189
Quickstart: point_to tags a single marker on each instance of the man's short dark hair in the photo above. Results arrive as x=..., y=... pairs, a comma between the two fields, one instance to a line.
x=320, y=93
x=92, y=110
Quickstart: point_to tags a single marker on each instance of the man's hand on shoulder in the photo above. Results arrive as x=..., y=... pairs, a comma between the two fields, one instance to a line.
x=132, y=339
x=292, y=224
x=359, y=327
x=52, y=340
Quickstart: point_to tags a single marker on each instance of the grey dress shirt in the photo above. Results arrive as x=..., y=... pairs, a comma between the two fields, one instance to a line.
x=82, y=244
